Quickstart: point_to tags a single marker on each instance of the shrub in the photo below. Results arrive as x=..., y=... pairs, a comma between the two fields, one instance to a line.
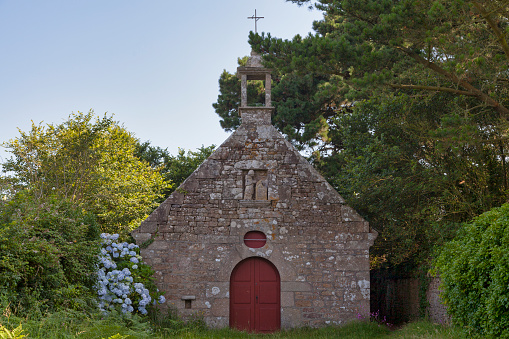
x=48, y=255
x=124, y=282
x=474, y=269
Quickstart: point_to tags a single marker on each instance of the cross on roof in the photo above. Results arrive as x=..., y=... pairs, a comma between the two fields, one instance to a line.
x=256, y=18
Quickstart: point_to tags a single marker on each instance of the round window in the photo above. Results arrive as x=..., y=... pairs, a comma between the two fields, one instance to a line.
x=255, y=239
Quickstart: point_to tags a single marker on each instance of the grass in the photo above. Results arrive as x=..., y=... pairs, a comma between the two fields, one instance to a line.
x=69, y=324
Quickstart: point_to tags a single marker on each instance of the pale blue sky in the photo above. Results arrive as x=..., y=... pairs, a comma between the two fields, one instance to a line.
x=154, y=64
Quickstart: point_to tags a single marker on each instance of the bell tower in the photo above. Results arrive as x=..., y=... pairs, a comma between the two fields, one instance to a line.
x=254, y=70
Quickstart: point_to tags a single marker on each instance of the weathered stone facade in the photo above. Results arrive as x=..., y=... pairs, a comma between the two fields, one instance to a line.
x=256, y=180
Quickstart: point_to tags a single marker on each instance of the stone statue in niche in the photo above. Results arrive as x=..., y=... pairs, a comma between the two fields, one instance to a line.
x=255, y=185
x=261, y=189
x=249, y=185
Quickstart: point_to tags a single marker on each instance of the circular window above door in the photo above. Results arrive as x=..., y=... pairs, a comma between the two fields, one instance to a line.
x=255, y=239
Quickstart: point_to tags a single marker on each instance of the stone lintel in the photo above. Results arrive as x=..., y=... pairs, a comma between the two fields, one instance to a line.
x=253, y=73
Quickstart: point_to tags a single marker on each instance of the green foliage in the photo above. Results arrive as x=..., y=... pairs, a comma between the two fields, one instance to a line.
x=90, y=162
x=171, y=324
x=118, y=336
x=79, y=325
x=174, y=168
x=365, y=49
x=72, y=324
x=48, y=255
x=427, y=330
x=424, y=283
x=124, y=282
x=412, y=184
x=178, y=168
x=16, y=333
x=403, y=107
x=300, y=113
x=474, y=270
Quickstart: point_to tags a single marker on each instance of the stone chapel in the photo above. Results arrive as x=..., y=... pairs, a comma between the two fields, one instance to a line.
x=255, y=238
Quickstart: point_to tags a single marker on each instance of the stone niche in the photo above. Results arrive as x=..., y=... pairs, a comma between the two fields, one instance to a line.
x=255, y=184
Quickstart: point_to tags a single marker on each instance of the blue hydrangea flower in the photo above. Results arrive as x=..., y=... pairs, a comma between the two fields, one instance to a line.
x=114, y=287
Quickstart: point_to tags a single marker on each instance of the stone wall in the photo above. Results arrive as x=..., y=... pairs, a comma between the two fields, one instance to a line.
x=319, y=245
x=437, y=311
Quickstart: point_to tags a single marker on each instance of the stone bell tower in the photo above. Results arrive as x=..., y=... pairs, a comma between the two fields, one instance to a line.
x=254, y=70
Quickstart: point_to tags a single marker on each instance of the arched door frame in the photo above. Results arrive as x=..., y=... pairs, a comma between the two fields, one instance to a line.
x=255, y=296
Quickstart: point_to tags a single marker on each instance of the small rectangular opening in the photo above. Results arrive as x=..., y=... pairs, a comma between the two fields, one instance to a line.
x=188, y=300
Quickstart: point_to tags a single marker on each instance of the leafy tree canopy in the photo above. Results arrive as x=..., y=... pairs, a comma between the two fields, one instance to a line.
x=174, y=168
x=90, y=162
x=403, y=106
x=414, y=188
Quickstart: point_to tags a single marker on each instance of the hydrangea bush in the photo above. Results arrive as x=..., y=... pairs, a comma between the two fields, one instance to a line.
x=124, y=282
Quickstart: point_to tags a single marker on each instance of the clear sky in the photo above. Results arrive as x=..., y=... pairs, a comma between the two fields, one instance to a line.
x=154, y=64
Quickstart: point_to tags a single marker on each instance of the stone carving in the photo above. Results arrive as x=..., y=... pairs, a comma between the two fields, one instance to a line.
x=249, y=185
x=261, y=190
x=256, y=185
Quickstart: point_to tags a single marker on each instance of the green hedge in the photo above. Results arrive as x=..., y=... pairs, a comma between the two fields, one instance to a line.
x=474, y=269
x=48, y=255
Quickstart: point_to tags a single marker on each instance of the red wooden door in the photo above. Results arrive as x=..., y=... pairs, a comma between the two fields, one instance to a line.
x=255, y=296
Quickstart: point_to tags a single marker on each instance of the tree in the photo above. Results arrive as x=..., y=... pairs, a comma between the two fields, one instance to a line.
x=299, y=112
x=413, y=187
x=174, y=169
x=367, y=48
x=90, y=162
x=403, y=107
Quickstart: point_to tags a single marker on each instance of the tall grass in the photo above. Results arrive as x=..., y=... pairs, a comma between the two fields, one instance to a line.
x=69, y=324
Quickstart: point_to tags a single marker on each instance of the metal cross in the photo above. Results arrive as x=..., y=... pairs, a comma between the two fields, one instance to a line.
x=256, y=18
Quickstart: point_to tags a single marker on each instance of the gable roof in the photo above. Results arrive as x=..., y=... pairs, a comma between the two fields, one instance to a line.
x=256, y=145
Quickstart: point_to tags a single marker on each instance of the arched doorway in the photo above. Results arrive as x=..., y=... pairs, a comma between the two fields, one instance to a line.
x=255, y=296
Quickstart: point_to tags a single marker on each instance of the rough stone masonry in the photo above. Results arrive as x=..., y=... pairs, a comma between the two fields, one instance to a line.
x=257, y=181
